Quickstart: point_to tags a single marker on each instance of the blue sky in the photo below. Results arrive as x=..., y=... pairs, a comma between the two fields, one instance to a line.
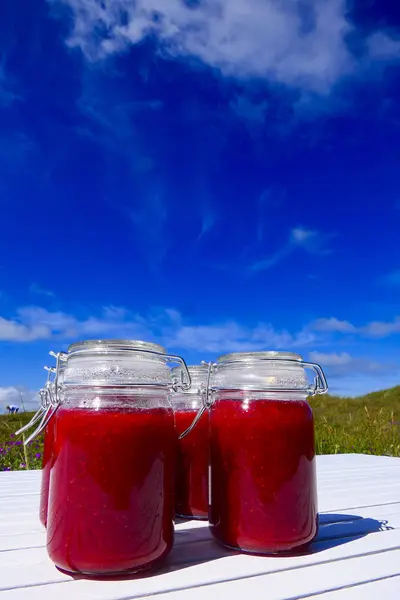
x=214, y=175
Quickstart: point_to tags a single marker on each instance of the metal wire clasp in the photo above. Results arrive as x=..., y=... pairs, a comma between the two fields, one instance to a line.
x=44, y=402
x=206, y=402
x=52, y=396
x=320, y=385
x=177, y=384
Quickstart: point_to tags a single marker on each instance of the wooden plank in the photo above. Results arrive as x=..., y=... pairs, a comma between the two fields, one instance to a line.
x=196, y=553
x=311, y=582
x=382, y=588
x=207, y=580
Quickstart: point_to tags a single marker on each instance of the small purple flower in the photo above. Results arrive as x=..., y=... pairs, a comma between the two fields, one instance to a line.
x=38, y=455
x=22, y=466
x=18, y=443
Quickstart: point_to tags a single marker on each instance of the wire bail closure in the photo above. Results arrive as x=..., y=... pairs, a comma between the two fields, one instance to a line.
x=44, y=395
x=319, y=386
x=176, y=384
x=49, y=395
x=204, y=391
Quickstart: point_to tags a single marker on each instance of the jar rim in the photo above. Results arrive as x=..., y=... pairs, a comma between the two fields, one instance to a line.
x=249, y=356
x=114, y=344
x=193, y=369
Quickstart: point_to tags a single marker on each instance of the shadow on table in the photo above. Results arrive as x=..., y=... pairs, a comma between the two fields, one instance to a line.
x=196, y=546
x=191, y=547
x=336, y=529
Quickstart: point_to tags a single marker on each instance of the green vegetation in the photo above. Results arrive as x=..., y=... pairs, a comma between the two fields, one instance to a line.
x=13, y=454
x=368, y=425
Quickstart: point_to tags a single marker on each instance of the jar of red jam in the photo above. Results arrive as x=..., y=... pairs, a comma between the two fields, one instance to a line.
x=262, y=452
x=111, y=495
x=191, y=499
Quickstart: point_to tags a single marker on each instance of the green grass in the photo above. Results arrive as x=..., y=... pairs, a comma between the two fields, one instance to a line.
x=368, y=425
x=13, y=454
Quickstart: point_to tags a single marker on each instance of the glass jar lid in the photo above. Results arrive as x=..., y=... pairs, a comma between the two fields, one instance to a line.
x=122, y=363
x=270, y=371
x=100, y=346
x=266, y=355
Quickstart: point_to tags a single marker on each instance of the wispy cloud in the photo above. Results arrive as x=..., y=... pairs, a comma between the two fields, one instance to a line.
x=208, y=221
x=312, y=241
x=166, y=325
x=381, y=46
x=344, y=363
x=14, y=330
x=8, y=95
x=176, y=331
x=234, y=337
x=298, y=44
x=34, y=288
x=391, y=279
x=149, y=220
x=354, y=375
x=381, y=329
x=253, y=112
x=373, y=329
x=333, y=325
x=350, y=375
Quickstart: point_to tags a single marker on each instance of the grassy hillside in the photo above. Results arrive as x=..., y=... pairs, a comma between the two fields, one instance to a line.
x=369, y=424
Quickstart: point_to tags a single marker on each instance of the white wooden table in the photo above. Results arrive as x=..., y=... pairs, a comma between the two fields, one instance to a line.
x=356, y=555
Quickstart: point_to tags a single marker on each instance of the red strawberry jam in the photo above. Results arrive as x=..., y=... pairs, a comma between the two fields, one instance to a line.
x=263, y=483
x=46, y=467
x=191, y=499
x=111, y=502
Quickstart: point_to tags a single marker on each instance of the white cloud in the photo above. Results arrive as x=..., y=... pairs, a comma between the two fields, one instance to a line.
x=333, y=359
x=381, y=329
x=233, y=337
x=166, y=325
x=310, y=240
x=345, y=363
x=36, y=323
x=300, y=235
x=289, y=42
x=354, y=375
x=12, y=330
x=34, y=288
x=373, y=329
x=18, y=396
x=383, y=47
x=333, y=325
x=301, y=44
x=174, y=331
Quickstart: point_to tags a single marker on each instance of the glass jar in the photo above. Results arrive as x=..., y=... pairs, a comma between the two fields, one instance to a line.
x=111, y=496
x=262, y=452
x=191, y=499
x=48, y=400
